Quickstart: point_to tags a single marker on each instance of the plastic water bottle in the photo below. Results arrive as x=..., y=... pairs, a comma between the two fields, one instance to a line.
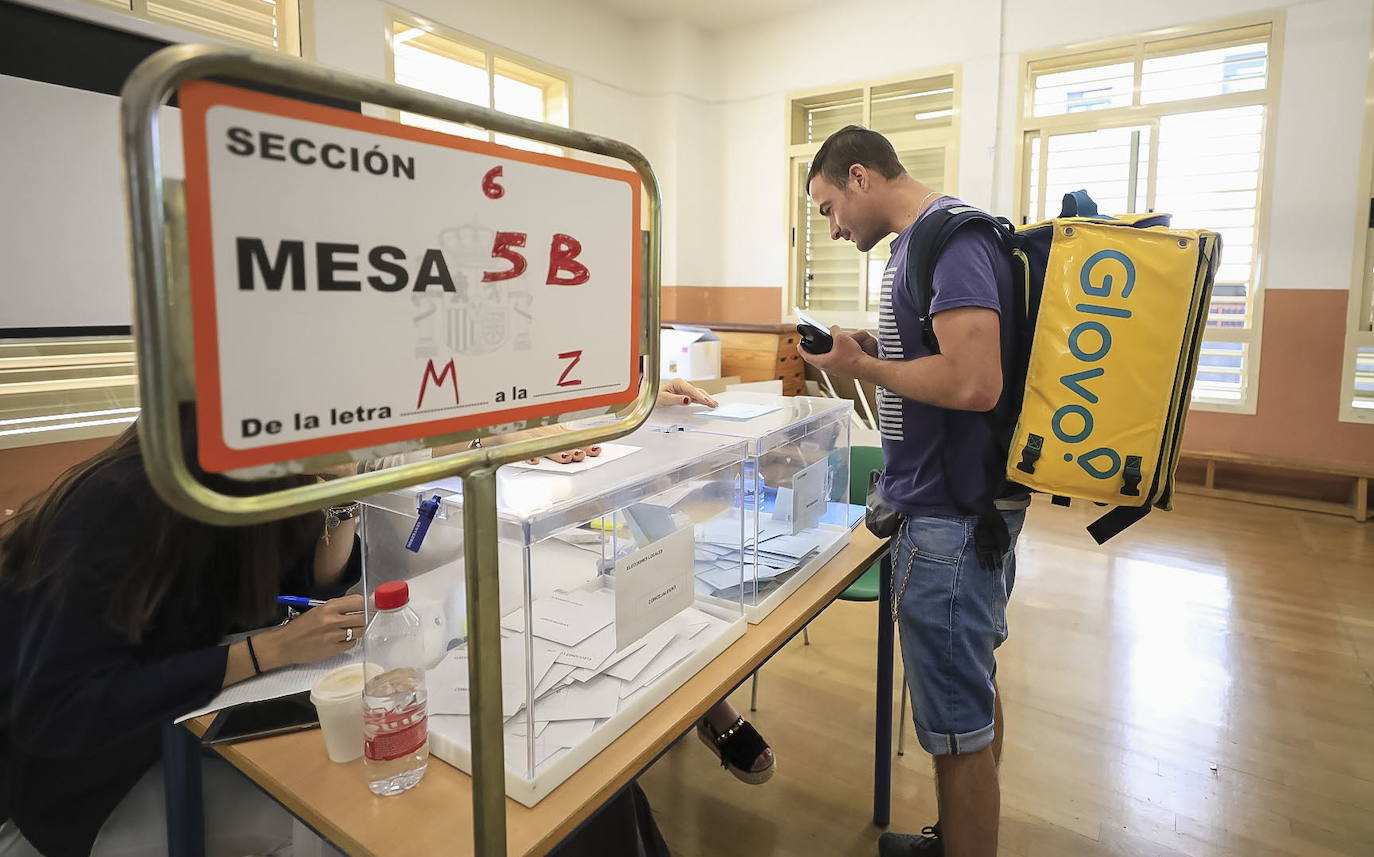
x=395, y=721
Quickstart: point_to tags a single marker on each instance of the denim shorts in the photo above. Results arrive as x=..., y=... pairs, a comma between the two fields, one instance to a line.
x=952, y=616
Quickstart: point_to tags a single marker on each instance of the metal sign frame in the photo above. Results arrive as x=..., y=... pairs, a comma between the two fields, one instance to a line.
x=161, y=337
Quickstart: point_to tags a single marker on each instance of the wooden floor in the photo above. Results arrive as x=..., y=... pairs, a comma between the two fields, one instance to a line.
x=1202, y=687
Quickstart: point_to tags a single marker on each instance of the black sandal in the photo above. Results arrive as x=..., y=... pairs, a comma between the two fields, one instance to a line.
x=738, y=748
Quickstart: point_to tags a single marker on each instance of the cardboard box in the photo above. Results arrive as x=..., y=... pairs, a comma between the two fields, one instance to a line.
x=690, y=353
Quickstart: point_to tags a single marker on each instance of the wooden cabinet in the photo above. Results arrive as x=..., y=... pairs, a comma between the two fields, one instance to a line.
x=762, y=353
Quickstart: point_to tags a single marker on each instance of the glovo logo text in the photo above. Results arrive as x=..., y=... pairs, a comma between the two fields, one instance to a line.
x=1089, y=342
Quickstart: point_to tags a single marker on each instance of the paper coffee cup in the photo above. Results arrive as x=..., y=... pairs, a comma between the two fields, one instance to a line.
x=338, y=699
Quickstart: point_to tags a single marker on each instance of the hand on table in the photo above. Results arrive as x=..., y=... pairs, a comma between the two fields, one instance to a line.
x=680, y=392
x=566, y=457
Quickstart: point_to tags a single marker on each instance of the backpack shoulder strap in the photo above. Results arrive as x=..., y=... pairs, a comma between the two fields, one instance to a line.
x=928, y=240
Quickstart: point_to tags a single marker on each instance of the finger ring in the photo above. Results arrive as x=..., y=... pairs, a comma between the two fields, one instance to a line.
x=348, y=636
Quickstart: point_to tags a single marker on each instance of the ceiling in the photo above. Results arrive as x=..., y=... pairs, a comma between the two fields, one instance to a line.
x=710, y=15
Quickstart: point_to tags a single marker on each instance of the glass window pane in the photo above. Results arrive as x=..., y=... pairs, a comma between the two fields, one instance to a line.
x=819, y=117
x=1081, y=90
x=255, y=22
x=1102, y=163
x=1221, y=373
x=912, y=105
x=1209, y=176
x=1208, y=64
x=1364, y=378
x=519, y=98
x=63, y=389
x=444, y=67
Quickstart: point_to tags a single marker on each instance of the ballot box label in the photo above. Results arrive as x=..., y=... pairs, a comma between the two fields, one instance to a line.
x=652, y=585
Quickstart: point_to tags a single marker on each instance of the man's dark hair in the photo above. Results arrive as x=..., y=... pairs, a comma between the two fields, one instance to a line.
x=854, y=144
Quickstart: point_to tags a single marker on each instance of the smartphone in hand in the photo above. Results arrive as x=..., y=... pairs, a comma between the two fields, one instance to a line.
x=816, y=338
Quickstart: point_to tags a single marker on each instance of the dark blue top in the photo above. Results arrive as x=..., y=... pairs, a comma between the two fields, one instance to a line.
x=973, y=271
x=80, y=706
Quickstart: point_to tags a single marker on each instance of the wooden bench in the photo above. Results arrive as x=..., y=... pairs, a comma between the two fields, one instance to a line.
x=1232, y=463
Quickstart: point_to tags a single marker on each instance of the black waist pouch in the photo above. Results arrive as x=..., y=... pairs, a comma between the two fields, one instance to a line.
x=881, y=519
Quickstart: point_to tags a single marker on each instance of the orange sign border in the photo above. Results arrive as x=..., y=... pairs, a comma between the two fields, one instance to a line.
x=196, y=97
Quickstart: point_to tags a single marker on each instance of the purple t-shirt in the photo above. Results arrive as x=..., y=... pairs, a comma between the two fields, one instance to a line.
x=973, y=271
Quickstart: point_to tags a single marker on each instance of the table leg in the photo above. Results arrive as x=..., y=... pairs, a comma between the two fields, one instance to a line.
x=182, y=787
x=882, y=725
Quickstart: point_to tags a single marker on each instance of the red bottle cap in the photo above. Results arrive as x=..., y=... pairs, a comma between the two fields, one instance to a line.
x=391, y=595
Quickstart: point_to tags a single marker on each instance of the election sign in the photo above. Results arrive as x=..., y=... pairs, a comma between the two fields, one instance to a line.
x=357, y=283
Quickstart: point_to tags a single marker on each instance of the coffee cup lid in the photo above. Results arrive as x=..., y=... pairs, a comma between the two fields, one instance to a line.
x=339, y=684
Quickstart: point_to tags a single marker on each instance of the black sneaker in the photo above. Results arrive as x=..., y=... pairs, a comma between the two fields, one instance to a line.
x=928, y=842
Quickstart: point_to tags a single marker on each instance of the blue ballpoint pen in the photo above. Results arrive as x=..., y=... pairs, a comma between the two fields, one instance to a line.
x=298, y=601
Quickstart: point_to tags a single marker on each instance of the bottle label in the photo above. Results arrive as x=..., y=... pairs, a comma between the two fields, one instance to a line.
x=393, y=734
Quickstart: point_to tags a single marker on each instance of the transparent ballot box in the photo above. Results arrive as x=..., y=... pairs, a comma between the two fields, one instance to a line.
x=796, y=487
x=601, y=617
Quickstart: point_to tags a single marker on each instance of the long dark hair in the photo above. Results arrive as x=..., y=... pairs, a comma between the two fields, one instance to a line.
x=31, y=557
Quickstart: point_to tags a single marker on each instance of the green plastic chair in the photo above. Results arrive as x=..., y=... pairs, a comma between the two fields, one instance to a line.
x=863, y=460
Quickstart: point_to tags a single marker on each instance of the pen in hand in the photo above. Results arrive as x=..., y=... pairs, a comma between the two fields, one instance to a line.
x=298, y=601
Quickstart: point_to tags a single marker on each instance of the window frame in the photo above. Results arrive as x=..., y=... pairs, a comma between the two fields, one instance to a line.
x=493, y=52
x=1359, y=329
x=1138, y=113
x=947, y=137
x=293, y=43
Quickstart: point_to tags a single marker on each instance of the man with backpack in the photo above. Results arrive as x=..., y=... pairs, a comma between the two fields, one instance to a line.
x=944, y=363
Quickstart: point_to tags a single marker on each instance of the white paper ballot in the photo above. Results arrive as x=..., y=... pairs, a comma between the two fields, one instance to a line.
x=740, y=411
x=795, y=547
x=581, y=674
x=807, y=497
x=591, y=701
x=652, y=585
x=566, y=618
x=554, y=679
x=654, y=642
x=609, y=452
x=721, y=578
x=591, y=651
x=670, y=657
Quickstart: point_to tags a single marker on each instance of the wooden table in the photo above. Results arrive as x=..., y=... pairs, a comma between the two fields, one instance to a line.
x=436, y=816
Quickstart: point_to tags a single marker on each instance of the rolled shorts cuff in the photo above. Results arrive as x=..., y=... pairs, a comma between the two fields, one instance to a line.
x=948, y=744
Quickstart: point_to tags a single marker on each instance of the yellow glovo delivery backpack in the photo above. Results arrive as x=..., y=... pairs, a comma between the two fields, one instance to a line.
x=1106, y=331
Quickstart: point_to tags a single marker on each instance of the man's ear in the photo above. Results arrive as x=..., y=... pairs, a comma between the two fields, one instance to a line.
x=858, y=174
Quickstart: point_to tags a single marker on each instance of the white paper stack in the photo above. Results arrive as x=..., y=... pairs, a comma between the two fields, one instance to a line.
x=722, y=569
x=580, y=680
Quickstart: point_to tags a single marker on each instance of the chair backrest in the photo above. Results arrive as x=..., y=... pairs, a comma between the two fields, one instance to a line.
x=863, y=460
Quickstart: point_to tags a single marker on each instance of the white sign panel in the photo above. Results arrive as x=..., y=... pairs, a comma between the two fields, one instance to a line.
x=356, y=282
x=652, y=585
x=803, y=505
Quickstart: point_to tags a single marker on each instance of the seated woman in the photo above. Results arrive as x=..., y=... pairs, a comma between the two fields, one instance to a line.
x=112, y=612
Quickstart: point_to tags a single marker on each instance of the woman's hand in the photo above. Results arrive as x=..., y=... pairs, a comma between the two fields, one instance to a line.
x=316, y=634
x=679, y=392
x=566, y=457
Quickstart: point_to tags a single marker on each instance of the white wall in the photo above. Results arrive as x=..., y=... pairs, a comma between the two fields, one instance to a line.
x=648, y=85
x=1316, y=149
x=62, y=223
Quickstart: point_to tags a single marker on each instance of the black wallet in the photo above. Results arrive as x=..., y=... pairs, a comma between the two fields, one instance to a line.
x=881, y=519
